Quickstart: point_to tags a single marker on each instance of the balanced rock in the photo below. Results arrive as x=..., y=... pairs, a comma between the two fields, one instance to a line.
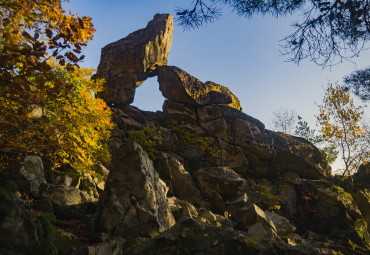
x=179, y=86
x=134, y=200
x=125, y=64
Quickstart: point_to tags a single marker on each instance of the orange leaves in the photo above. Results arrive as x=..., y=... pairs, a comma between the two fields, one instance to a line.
x=40, y=47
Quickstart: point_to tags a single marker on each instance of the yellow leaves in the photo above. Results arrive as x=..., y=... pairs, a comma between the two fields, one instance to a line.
x=340, y=121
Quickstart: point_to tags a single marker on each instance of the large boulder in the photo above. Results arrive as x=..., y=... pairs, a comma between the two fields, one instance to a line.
x=219, y=184
x=68, y=202
x=182, y=181
x=134, y=200
x=61, y=195
x=282, y=224
x=299, y=155
x=125, y=64
x=179, y=86
x=32, y=171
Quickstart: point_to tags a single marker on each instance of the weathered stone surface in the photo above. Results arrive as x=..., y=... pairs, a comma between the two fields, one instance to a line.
x=205, y=239
x=338, y=213
x=65, y=196
x=113, y=247
x=299, y=155
x=134, y=201
x=215, y=219
x=362, y=199
x=184, y=186
x=218, y=184
x=250, y=214
x=288, y=196
x=23, y=232
x=180, y=208
x=223, y=180
x=291, y=178
x=282, y=224
x=179, y=112
x=33, y=171
x=125, y=64
x=257, y=230
x=232, y=156
x=178, y=86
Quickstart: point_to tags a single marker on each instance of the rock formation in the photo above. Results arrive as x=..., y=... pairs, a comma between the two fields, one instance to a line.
x=125, y=64
x=134, y=201
x=201, y=177
x=178, y=86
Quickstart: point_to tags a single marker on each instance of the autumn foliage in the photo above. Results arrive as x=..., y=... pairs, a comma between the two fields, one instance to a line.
x=47, y=103
x=340, y=122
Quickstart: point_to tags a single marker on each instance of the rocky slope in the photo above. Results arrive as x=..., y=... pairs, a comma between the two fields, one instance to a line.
x=201, y=177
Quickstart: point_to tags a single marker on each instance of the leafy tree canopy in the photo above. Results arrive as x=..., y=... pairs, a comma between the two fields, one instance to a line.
x=359, y=83
x=340, y=122
x=47, y=102
x=329, y=31
x=303, y=130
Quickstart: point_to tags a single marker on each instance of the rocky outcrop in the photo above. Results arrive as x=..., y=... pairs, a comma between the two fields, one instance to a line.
x=178, y=86
x=330, y=210
x=24, y=232
x=134, y=201
x=125, y=64
x=182, y=181
x=233, y=186
x=218, y=184
x=362, y=199
x=191, y=236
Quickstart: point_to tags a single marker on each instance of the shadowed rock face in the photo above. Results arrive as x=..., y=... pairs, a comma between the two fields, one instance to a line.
x=134, y=201
x=125, y=64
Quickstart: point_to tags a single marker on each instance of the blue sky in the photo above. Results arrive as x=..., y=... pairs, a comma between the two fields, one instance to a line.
x=242, y=54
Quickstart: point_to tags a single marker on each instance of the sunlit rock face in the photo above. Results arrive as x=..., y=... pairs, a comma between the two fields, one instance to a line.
x=126, y=63
x=180, y=87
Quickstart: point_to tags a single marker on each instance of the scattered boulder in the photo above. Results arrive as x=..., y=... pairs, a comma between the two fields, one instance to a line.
x=134, y=201
x=61, y=195
x=68, y=202
x=125, y=64
x=282, y=224
x=32, y=170
x=191, y=236
x=178, y=86
x=180, y=208
x=249, y=215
